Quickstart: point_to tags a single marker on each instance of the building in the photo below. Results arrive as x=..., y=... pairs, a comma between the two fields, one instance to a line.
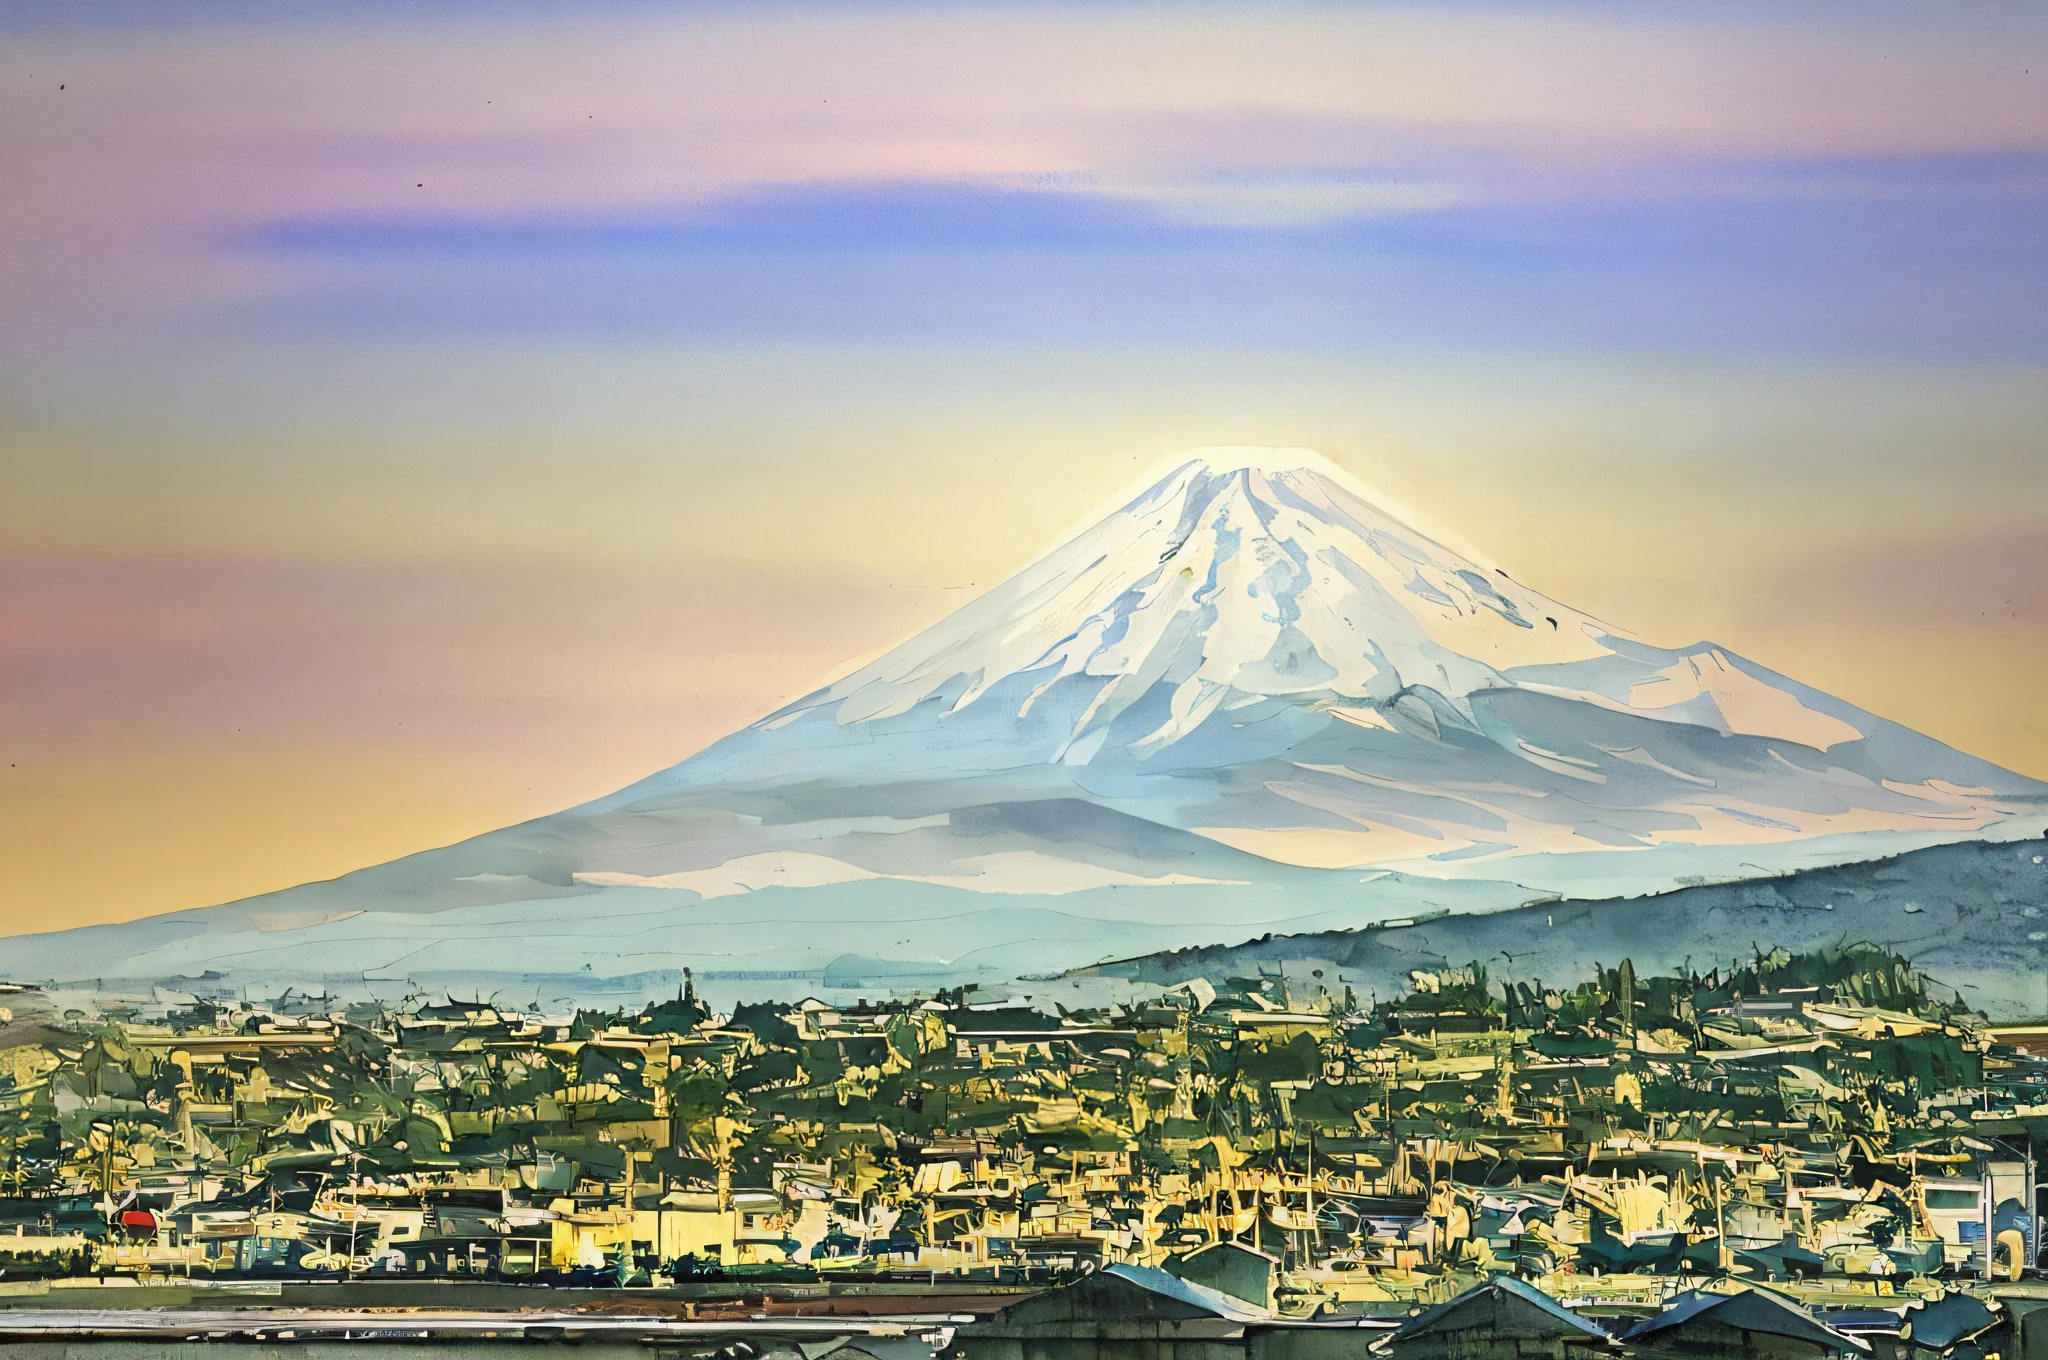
x=1230, y=1268
x=1132, y=1312
x=1502, y=1319
x=1753, y=1324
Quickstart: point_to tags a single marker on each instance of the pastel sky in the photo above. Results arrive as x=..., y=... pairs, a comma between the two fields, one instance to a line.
x=414, y=418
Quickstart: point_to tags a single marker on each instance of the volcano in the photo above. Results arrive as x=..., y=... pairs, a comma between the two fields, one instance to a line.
x=1246, y=699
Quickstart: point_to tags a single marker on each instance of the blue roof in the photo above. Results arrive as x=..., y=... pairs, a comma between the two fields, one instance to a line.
x=1866, y=1319
x=1949, y=1319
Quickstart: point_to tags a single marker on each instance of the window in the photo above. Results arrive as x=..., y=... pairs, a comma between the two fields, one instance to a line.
x=1952, y=1199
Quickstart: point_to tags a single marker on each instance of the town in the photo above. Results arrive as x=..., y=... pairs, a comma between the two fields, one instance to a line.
x=1833, y=1123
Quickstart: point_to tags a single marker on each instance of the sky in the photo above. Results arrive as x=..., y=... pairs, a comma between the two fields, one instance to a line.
x=417, y=418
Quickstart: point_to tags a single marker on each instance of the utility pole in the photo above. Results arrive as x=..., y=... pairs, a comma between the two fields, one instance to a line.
x=1723, y=1255
x=1314, y=1225
x=2034, y=1217
x=1990, y=1247
x=1628, y=1001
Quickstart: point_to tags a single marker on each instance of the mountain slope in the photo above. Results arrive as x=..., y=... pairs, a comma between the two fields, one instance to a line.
x=1251, y=651
x=1970, y=916
x=1246, y=699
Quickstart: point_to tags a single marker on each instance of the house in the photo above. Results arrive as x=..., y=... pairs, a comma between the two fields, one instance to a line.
x=1230, y=1268
x=1502, y=1319
x=1135, y=1310
x=1754, y=1324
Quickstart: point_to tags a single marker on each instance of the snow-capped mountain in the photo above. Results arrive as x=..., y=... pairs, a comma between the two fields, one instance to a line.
x=1246, y=699
x=1251, y=650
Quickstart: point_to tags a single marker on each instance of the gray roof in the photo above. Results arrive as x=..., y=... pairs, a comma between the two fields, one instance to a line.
x=1512, y=1288
x=1230, y=1248
x=1751, y=1310
x=1157, y=1281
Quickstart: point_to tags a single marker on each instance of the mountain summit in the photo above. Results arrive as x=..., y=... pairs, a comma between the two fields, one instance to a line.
x=1246, y=698
x=1240, y=574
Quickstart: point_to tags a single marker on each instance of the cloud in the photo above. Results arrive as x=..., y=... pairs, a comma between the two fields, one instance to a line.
x=173, y=133
x=1889, y=256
